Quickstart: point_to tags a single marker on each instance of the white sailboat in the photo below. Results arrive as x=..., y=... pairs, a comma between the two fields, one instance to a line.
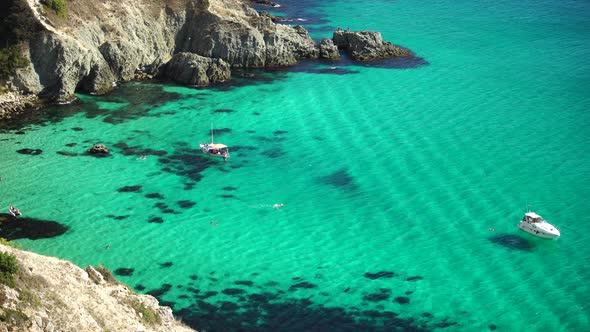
x=215, y=149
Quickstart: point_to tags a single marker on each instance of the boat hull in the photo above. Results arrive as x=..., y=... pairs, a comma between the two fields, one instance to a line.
x=538, y=231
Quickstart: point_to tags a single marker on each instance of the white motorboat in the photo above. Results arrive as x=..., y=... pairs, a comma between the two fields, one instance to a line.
x=535, y=224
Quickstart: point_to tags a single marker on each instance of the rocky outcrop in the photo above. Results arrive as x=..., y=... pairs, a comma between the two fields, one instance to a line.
x=237, y=34
x=101, y=43
x=109, y=42
x=367, y=45
x=13, y=104
x=98, y=149
x=328, y=50
x=191, y=69
x=55, y=295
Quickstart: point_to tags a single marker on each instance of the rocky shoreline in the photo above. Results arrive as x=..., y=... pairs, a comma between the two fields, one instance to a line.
x=13, y=104
x=196, y=43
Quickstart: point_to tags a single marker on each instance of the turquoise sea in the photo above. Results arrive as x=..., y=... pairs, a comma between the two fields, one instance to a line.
x=402, y=183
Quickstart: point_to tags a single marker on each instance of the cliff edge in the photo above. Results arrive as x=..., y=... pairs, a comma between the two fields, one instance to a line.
x=49, y=294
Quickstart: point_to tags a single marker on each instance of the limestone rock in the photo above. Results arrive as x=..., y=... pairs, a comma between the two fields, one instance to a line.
x=328, y=50
x=98, y=149
x=367, y=45
x=94, y=275
x=192, y=69
x=67, y=302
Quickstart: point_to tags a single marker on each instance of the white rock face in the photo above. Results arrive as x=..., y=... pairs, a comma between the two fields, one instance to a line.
x=59, y=296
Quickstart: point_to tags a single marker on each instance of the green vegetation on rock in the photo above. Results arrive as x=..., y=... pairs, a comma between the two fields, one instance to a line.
x=8, y=268
x=58, y=6
x=11, y=58
x=148, y=316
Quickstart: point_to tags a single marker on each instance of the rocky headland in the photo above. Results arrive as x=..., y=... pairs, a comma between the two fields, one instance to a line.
x=97, y=44
x=49, y=294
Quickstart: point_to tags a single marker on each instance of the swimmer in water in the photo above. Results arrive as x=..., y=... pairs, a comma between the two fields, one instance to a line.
x=277, y=206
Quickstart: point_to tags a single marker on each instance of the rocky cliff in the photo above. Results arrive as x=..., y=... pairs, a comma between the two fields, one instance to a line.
x=102, y=42
x=55, y=295
x=92, y=45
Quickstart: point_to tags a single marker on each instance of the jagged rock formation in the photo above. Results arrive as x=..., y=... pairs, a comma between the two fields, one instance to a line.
x=190, y=41
x=98, y=149
x=103, y=42
x=189, y=68
x=367, y=45
x=12, y=104
x=328, y=50
x=55, y=295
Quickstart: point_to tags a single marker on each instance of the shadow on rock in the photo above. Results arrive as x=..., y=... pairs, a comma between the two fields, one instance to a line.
x=12, y=228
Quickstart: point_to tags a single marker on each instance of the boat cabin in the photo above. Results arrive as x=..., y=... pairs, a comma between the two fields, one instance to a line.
x=216, y=149
x=532, y=217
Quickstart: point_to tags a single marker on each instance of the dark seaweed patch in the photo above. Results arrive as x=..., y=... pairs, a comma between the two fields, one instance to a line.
x=127, y=150
x=139, y=287
x=340, y=179
x=492, y=327
x=154, y=196
x=382, y=295
x=228, y=306
x=186, y=162
x=71, y=144
x=124, y=271
x=229, y=188
x=166, y=265
x=67, y=153
x=206, y=295
x=186, y=204
x=221, y=110
x=445, y=323
x=279, y=132
x=379, y=275
x=12, y=228
x=244, y=283
x=160, y=291
x=129, y=189
x=415, y=278
x=427, y=315
x=112, y=216
x=402, y=299
x=157, y=220
x=237, y=148
x=264, y=313
x=514, y=242
x=269, y=139
x=77, y=129
x=304, y=284
x=32, y=152
x=233, y=291
x=273, y=153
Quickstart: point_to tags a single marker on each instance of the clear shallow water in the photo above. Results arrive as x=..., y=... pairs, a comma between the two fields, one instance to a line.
x=391, y=180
